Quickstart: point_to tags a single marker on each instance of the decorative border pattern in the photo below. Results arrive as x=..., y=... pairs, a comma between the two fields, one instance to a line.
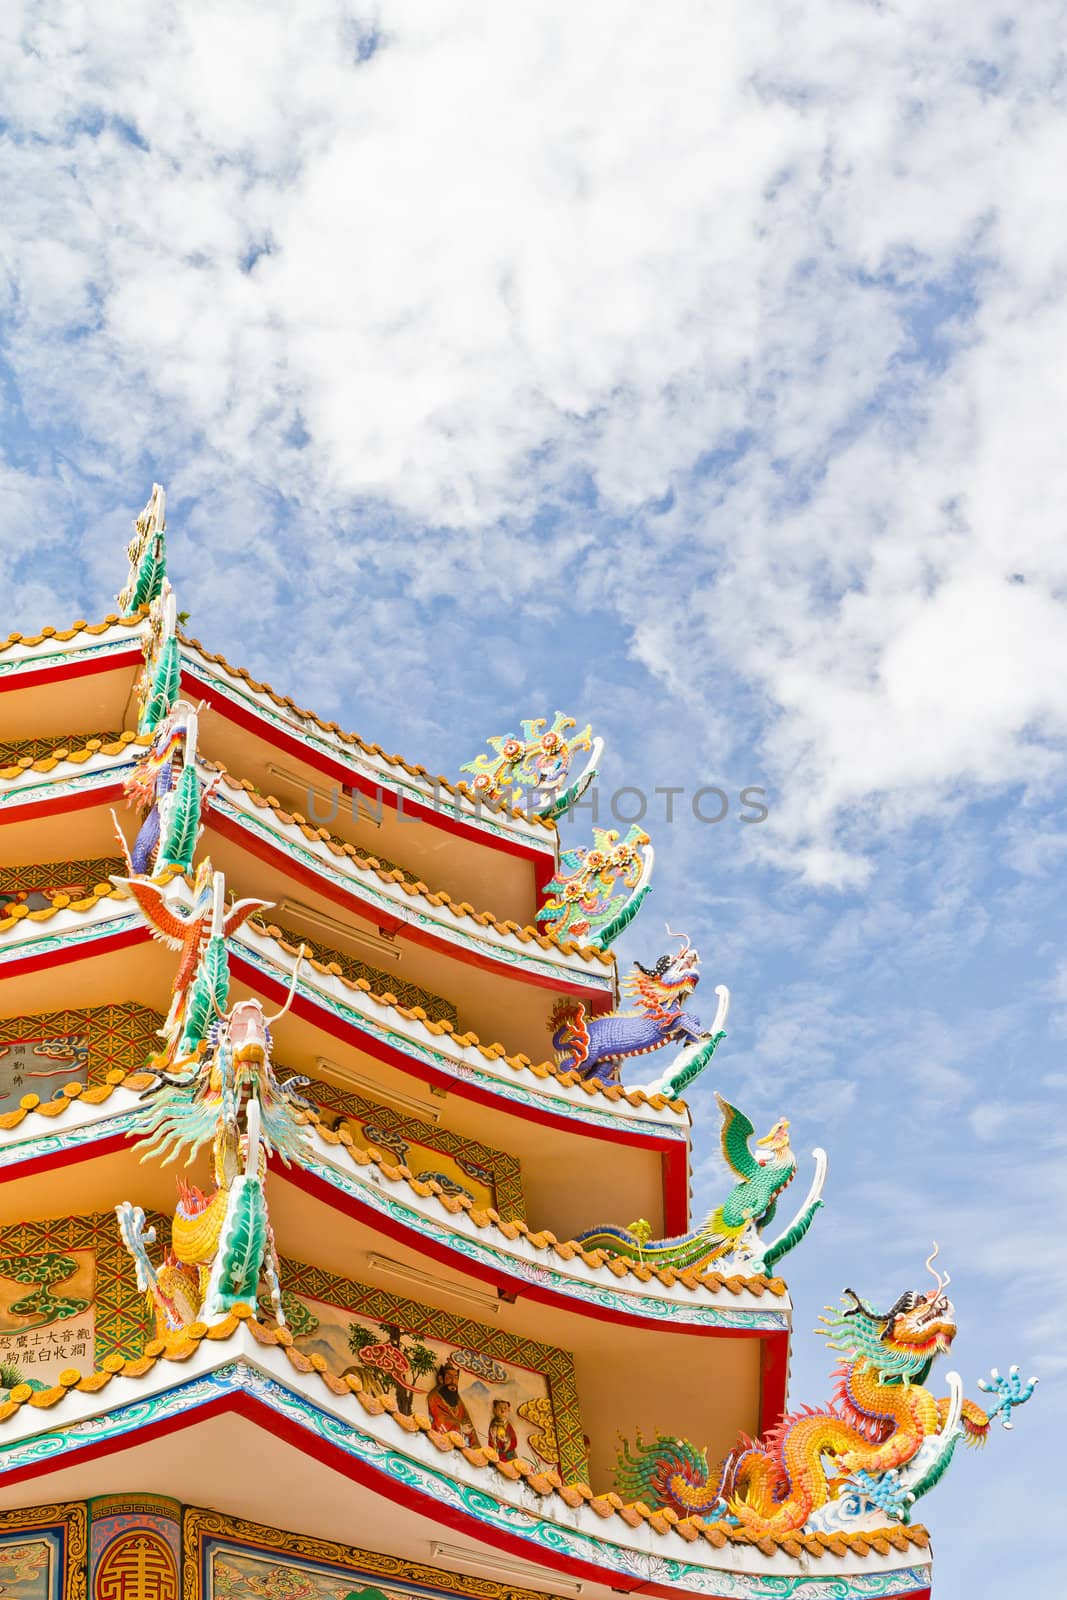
x=17, y=793
x=380, y=1306
x=202, y=1529
x=508, y=1516
x=656, y=1309
x=37, y=658
x=41, y=875
x=103, y=928
x=121, y=1037
x=123, y=1321
x=70, y=1522
x=509, y=1198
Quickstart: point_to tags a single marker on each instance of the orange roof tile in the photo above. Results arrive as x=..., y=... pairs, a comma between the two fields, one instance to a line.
x=375, y=750
x=81, y=626
x=734, y=1283
x=437, y=897
x=544, y=1483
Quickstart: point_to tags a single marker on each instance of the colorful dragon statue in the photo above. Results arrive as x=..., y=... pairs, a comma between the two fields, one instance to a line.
x=581, y=901
x=222, y=1245
x=732, y=1231
x=166, y=786
x=534, y=768
x=883, y=1444
x=596, y=1048
x=213, y=1084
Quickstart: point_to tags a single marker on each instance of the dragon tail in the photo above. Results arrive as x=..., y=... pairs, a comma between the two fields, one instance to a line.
x=571, y=1034
x=668, y=1474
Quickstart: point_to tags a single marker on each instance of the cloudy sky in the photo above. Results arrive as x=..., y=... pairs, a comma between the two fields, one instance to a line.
x=697, y=370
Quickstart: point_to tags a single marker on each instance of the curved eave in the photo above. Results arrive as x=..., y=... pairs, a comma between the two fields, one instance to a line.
x=56, y=655
x=510, y=1257
x=430, y=1051
x=237, y=1369
x=233, y=694
x=88, y=778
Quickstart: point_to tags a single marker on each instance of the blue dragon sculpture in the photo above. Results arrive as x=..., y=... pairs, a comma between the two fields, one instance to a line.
x=596, y=1048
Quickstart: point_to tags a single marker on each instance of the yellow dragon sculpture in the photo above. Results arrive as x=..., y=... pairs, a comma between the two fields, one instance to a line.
x=885, y=1441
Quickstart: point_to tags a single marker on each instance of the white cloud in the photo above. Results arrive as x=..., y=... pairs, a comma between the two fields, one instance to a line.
x=512, y=252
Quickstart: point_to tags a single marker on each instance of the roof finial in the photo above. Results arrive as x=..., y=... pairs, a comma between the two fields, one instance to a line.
x=147, y=552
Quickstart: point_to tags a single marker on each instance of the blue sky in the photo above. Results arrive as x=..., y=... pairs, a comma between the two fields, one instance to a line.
x=697, y=374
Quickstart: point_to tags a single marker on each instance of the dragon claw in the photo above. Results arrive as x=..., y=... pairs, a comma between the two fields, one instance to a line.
x=883, y=1490
x=1010, y=1392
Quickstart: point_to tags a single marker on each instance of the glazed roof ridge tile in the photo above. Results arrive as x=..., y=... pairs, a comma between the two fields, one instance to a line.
x=757, y=1284
x=112, y=620
x=413, y=769
x=461, y=908
x=469, y=1040
x=62, y=902
x=61, y=753
x=546, y=1484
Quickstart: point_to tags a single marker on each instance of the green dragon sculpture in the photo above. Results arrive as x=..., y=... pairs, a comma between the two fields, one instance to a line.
x=733, y=1229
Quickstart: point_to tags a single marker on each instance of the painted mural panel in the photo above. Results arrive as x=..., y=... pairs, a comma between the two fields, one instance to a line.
x=47, y=1316
x=68, y=1298
x=460, y=1165
x=496, y=1388
x=40, y=1064
x=101, y=1040
x=135, y=1548
x=490, y=1402
x=235, y=1573
x=28, y=1569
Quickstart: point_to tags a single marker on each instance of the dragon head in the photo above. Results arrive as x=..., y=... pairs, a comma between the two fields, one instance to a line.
x=666, y=986
x=919, y=1325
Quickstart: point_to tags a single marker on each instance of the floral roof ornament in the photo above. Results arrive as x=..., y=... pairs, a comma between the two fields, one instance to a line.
x=533, y=769
x=598, y=889
x=147, y=552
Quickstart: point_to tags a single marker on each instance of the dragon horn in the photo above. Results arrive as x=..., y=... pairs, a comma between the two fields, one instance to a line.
x=292, y=989
x=942, y=1283
x=672, y=935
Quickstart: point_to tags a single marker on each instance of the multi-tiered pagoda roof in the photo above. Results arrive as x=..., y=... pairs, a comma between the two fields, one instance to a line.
x=433, y=1253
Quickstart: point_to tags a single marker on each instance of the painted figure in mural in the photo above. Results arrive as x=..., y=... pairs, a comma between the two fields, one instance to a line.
x=884, y=1443
x=598, y=890
x=502, y=1435
x=730, y=1236
x=447, y=1411
x=597, y=1048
